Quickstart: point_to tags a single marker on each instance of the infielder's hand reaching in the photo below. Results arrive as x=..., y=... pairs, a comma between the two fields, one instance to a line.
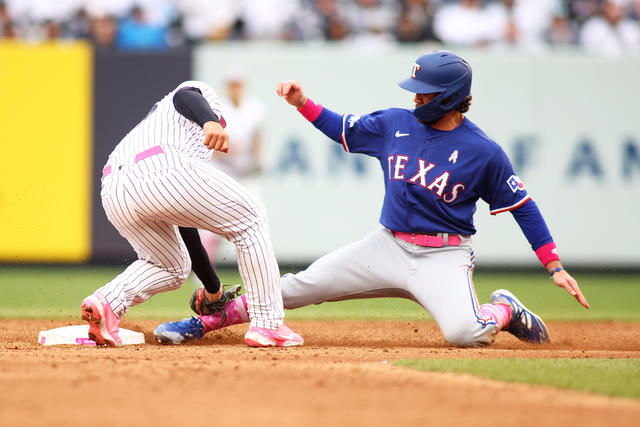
x=215, y=137
x=291, y=91
x=564, y=280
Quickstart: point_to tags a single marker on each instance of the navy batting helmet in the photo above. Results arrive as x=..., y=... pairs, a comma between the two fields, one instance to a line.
x=441, y=72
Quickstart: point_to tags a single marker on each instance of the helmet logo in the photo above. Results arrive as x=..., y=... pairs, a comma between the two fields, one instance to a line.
x=414, y=70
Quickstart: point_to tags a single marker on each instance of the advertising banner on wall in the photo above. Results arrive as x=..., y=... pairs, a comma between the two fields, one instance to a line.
x=45, y=152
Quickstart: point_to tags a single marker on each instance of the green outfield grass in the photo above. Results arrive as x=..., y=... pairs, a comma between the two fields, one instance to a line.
x=56, y=292
x=612, y=377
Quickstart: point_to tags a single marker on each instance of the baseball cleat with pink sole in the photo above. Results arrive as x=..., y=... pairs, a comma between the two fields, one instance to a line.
x=103, y=323
x=524, y=323
x=281, y=337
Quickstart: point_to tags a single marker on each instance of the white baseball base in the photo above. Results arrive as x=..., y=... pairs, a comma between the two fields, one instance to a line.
x=79, y=335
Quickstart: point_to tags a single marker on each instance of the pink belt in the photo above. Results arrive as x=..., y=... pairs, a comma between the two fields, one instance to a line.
x=140, y=156
x=428, y=240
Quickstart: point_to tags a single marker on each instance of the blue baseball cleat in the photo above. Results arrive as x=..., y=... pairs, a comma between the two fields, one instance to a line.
x=179, y=332
x=524, y=323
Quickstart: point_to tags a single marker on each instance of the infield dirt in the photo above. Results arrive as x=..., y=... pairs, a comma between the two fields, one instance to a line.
x=342, y=376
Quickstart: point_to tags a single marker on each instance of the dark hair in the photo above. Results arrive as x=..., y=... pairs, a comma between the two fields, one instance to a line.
x=466, y=104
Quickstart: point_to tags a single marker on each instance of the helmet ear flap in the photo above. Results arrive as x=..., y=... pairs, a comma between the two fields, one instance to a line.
x=430, y=111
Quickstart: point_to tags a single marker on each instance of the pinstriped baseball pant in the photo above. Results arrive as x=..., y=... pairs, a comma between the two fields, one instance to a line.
x=147, y=201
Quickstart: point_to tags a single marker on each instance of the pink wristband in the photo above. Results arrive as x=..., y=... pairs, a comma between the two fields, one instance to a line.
x=547, y=253
x=310, y=110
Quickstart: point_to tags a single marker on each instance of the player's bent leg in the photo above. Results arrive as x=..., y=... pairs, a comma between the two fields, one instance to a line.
x=105, y=307
x=260, y=273
x=164, y=265
x=232, y=212
x=443, y=285
x=373, y=267
x=163, y=261
x=472, y=334
x=140, y=281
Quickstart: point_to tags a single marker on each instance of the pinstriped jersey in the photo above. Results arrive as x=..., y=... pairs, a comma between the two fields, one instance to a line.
x=166, y=127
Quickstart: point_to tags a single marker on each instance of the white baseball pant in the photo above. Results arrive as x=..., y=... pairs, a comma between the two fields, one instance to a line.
x=381, y=265
x=147, y=200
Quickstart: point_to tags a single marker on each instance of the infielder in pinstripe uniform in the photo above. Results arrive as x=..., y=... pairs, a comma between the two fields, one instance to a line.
x=158, y=179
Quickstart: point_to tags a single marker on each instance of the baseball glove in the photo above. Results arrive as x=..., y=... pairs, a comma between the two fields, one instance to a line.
x=200, y=305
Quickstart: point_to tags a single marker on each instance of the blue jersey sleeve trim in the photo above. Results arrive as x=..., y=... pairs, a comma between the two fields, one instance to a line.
x=512, y=207
x=532, y=224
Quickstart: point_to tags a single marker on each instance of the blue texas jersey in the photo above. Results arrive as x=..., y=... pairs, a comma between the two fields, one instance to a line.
x=433, y=178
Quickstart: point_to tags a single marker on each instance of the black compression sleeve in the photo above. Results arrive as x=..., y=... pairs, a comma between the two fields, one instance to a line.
x=190, y=103
x=200, y=260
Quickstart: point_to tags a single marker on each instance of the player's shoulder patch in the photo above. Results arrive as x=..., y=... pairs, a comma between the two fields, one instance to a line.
x=515, y=183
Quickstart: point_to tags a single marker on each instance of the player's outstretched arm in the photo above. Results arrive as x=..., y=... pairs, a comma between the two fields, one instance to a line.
x=292, y=92
x=535, y=229
x=564, y=280
x=325, y=120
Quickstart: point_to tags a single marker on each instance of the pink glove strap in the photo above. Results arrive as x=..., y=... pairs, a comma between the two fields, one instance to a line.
x=547, y=253
x=310, y=110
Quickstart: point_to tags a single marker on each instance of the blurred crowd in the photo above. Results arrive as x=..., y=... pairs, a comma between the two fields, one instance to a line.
x=607, y=27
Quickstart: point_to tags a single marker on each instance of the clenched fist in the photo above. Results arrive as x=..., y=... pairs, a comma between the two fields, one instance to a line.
x=215, y=137
x=291, y=91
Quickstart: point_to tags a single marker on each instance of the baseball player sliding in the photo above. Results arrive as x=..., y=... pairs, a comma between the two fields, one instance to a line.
x=436, y=164
x=157, y=179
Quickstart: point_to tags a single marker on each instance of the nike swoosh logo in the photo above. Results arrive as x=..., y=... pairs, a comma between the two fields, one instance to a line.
x=398, y=134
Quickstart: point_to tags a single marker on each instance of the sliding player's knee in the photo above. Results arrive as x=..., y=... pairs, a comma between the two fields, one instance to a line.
x=291, y=297
x=470, y=334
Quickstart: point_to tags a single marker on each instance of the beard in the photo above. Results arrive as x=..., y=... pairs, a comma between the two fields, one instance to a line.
x=430, y=122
